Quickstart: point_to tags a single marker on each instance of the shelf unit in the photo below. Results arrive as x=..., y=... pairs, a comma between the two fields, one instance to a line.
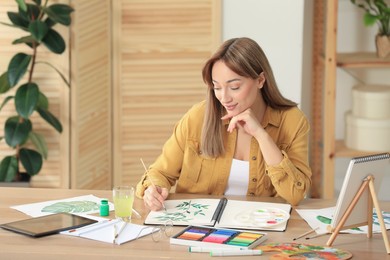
x=324, y=146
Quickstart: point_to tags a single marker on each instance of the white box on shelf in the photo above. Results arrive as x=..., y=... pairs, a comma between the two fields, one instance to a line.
x=371, y=101
x=367, y=134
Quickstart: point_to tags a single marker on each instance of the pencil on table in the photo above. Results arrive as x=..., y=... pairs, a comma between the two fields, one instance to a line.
x=154, y=186
x=116, y=234
x=136, y=213
x=305, y=234
x=318, y=235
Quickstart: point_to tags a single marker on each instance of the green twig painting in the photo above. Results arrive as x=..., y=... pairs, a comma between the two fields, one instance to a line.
x=185, y=212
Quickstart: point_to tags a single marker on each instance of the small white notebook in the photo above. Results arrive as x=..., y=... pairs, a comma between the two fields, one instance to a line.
x=105, y=231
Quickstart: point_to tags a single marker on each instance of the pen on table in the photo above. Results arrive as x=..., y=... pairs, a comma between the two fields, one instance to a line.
x=199, y=249
x=136, y=213
x=116, y=234
x=318, y=235
x=235, y=252
x=146, y=169
x=306, y=233
x=93, y=227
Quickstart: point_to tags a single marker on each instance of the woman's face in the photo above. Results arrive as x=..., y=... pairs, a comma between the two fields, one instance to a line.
x=236, y=93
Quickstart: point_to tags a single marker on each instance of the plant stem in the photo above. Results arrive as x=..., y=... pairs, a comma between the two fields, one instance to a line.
x=33, y=61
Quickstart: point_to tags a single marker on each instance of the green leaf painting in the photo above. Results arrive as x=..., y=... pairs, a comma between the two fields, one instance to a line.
x=71, y=207
x=324, y=220
x=185, y=212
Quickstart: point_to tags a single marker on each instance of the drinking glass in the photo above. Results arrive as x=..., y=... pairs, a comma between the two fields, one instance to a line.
x=123, y=197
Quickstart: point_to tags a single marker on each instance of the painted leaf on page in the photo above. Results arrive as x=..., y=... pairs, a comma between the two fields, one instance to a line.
x=71, y=207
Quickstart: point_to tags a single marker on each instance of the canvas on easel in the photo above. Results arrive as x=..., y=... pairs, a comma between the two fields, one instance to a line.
x=357, y=197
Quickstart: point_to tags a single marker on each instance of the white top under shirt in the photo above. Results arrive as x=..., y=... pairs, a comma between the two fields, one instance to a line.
x=238, y=178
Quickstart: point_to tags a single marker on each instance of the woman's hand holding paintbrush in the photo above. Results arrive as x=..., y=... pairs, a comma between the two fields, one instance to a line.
x=154, y=196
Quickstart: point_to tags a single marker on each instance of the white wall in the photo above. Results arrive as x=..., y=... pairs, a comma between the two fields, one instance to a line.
x=277, y=26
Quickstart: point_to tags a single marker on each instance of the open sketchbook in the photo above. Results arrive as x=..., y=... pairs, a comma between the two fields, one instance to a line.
x=223, y=213
x=105, y=231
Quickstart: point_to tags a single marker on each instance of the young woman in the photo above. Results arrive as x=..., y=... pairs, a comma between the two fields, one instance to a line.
x=244, y=139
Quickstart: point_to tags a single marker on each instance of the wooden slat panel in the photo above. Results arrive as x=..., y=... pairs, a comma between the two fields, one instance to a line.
x=329, y=100
x=55, y=170
x=316, y=144
x=91, y=95
x=163, y=46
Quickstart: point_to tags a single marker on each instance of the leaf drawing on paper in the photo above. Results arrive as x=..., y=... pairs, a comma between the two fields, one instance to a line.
x=185, y=212
x=326, y=220
x=71, y=207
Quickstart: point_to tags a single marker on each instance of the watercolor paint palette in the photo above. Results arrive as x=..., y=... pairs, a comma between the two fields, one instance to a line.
x=218, y=237
x=263, y=217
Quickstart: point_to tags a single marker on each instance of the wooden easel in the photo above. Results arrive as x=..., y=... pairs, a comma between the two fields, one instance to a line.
x=368, y=183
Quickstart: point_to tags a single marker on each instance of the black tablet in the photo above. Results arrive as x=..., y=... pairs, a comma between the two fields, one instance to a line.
x=47, y=225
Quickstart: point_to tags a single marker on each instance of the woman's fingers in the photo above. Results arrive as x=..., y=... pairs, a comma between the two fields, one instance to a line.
x=154, y=197
x=245, y=119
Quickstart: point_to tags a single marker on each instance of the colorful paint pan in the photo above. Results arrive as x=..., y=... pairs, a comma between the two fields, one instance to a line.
x=218, y=237
x=194, y=233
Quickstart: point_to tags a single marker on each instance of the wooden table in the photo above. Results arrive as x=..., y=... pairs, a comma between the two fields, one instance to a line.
x=14, y=246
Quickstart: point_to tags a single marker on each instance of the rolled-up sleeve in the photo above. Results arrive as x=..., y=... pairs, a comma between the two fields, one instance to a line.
x=291, y=178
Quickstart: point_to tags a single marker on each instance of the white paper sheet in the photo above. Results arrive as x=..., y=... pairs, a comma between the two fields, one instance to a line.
x=313, y=218
x=105, y=231
x=87, y=204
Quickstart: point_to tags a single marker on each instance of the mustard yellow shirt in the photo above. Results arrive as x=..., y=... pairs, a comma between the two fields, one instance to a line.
x=182, y=161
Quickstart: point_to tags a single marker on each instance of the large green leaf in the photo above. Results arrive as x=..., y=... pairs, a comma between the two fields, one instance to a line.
x=5, y=101
x=54, y=42
x=31, y=160
x=38, y=2
x=57, y=70
x=49, y=22
x=50, y=118
x=4, y=84
x=29, y=39
x=22, y=5
x=39, y=142
x=26, y=99
x=17, y=68
x=8, y=168
x=59, y=13
x=370, y=19
x=16, y=131
x=17, y=20
x=43, y=102
x=31, y=14
x=38, y=30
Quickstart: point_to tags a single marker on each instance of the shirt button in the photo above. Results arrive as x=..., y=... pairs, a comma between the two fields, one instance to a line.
x=254, y=157
x=299, y=184
x=254, y=180
x=200, y=152
x=252, y=194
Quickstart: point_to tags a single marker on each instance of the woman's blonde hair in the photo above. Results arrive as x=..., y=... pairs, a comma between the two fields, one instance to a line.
x=245, y=57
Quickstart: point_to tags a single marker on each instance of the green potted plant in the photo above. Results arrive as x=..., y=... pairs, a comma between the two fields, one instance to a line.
x=377, y=12
x=37, y=19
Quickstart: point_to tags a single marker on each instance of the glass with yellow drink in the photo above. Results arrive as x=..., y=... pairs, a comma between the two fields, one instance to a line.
x=123, y=197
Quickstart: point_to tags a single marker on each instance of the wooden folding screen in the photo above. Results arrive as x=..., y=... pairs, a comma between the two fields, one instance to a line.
x=159, y=50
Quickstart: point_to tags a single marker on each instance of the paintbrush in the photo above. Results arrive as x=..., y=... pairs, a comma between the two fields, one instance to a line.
x=151, y=182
